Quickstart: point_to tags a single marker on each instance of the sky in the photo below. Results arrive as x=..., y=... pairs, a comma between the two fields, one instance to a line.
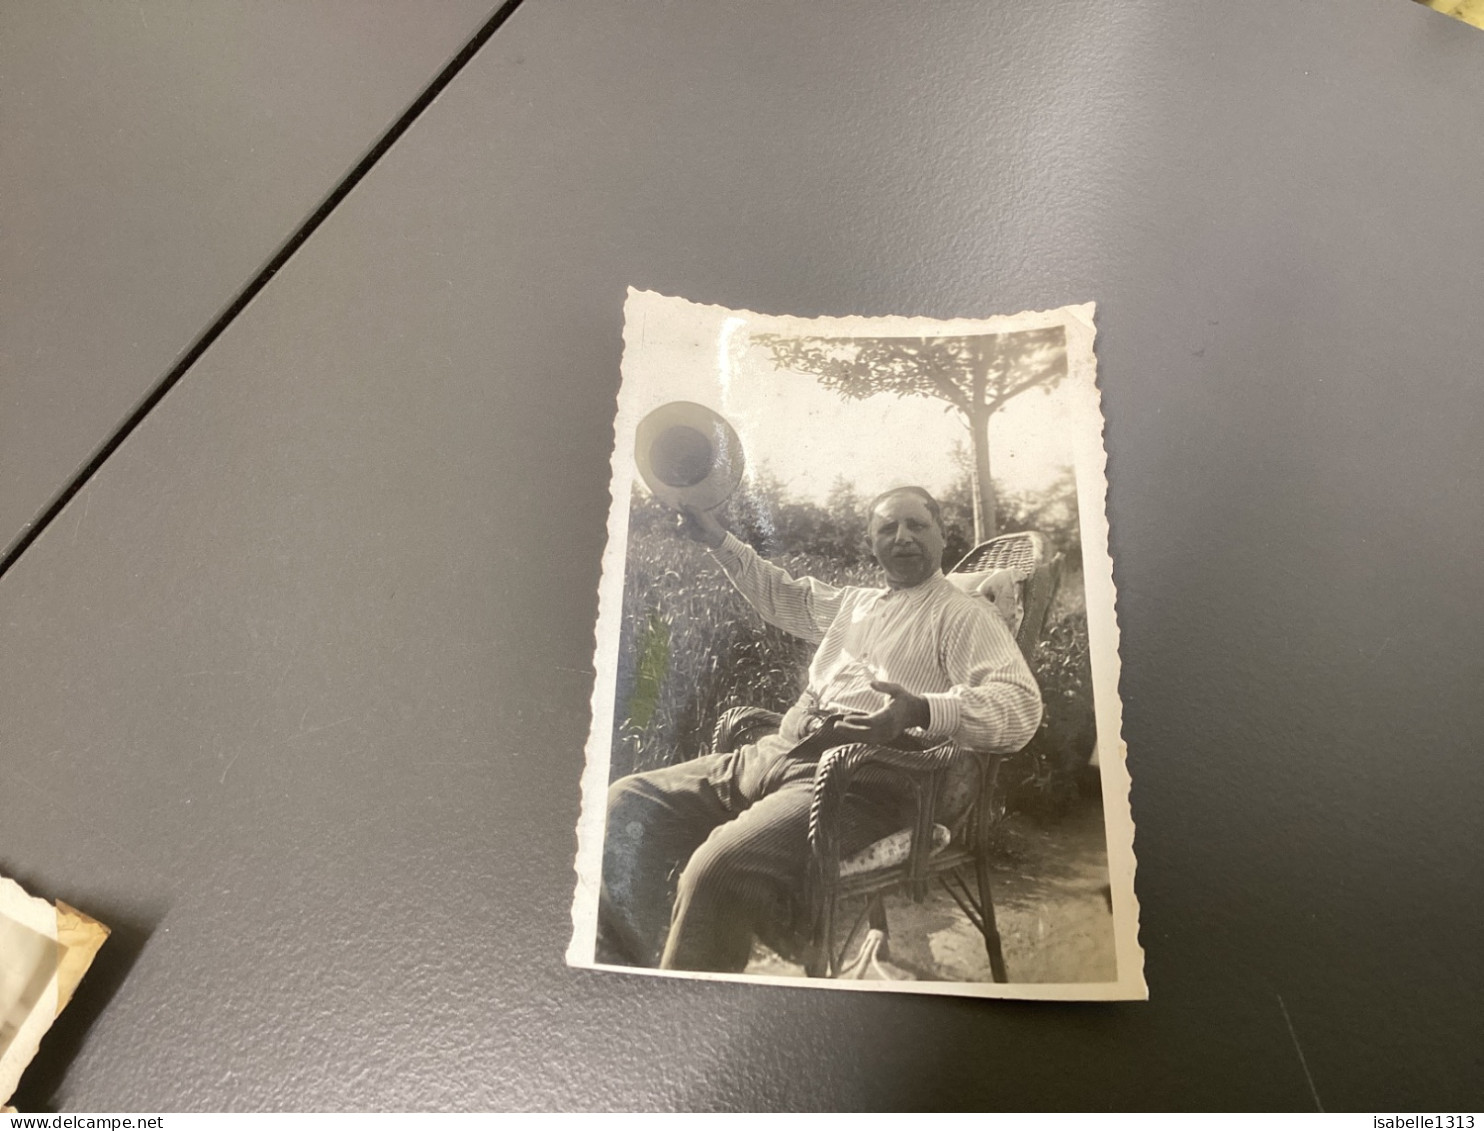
x=807, y=435
x=885, y=441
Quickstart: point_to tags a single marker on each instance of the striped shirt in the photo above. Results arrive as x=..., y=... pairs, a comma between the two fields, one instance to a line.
x=937, y=642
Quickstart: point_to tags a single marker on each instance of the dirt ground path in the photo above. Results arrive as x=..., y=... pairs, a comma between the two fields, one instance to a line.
x=1050, y=890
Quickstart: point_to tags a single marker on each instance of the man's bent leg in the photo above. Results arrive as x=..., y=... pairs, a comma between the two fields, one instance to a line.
x=656, y=820
x=748, y=871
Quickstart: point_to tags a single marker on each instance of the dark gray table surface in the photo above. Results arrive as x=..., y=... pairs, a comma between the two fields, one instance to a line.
x=153, y=156
x=295, y=689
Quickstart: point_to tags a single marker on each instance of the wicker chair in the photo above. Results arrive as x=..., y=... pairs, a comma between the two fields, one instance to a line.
x=1031, y=583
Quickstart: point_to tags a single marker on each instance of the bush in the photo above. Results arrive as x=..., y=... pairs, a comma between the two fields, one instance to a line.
x=1044, y=777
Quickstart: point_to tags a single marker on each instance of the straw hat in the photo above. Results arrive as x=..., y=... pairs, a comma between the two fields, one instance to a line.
x=688, y=455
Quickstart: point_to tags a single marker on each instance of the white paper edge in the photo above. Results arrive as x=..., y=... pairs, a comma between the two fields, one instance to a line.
x=1091, y=466
x=41, y=917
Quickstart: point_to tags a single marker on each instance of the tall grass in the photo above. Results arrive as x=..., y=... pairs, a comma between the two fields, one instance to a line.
x=690, y=648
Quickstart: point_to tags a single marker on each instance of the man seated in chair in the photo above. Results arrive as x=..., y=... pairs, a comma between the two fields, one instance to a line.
x=918, y=658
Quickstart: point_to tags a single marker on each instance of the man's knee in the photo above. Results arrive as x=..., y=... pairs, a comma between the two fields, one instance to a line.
x=620, y=797
x=655, y=821
x=624, y=791
x=628, y=818
x=633, y=803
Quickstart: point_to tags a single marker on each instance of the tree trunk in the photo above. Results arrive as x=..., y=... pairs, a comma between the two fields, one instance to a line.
x=984, y=497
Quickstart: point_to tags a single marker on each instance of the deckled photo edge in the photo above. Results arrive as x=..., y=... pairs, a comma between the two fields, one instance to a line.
x=1007, y=991
x=1091, y=494
x=598, y=752
x=1102, y=618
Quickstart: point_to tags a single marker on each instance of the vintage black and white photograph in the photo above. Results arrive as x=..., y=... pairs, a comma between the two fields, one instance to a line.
x=855, y=721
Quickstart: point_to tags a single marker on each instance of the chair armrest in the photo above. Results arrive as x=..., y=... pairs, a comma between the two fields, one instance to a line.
x=916, y=775
x=743, y=725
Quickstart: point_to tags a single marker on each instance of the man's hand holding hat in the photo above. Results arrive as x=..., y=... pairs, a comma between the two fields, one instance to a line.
x=701, y=526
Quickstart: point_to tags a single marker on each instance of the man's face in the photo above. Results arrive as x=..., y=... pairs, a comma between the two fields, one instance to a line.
x=906, y=540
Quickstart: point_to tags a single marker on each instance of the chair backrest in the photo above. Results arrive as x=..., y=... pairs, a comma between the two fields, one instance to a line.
x=1030, y=559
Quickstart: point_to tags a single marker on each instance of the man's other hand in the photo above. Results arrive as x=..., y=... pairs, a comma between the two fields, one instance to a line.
x=701, y=526
x=903, y=711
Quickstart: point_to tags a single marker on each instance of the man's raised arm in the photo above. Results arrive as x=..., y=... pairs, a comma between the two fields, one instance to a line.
x=803, y=606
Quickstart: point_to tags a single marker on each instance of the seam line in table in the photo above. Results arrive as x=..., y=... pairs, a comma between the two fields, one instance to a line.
x=245, y=296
